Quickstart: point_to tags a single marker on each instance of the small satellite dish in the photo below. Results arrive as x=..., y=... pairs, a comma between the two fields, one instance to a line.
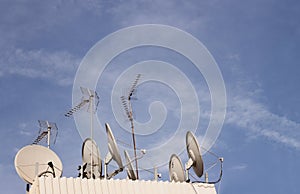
x=193, y=151
x=130, y=171
x=112, y=146
x=91, y=153
x=36, y=160
x=176, y=170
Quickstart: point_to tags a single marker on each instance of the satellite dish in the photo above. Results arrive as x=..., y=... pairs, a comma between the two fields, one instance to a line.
x=112, y=146
x=36, y=160
x=91, y=153
x=130, y=171
x=176, y=170
x=193, y=151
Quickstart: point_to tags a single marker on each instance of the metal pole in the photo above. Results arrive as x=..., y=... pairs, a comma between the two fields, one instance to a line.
x=49, y=133
x=133, y=139
x=91, y=109
x=155, y=173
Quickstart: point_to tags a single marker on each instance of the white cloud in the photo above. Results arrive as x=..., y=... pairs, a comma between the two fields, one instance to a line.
x=239, y=167
x=58, y=66
x=253, y=116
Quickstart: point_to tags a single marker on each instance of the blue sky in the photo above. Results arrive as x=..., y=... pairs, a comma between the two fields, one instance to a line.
x=255, y=44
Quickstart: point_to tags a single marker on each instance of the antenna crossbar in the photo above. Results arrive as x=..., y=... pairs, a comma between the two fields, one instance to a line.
x=76, y=108
x=40, y=137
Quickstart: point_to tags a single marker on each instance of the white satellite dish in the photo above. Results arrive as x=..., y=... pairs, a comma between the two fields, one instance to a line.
x=112, y=146
x=195, y=159
x=176, y=170
x=91, y=153
x=35, y=160
x=113, y=153
x=130, y=171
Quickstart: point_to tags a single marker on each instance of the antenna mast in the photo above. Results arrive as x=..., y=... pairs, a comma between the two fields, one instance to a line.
x=46, y=130
x=129, y=112
x=91, y=97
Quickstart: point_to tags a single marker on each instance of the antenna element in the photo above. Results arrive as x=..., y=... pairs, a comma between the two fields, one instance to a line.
x=128, y=109
x=46, y=130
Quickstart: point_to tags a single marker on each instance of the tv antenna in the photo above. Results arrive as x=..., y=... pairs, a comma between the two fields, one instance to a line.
x=129, y=112
x=88, y=96
x=91, y=97
x=47, y=129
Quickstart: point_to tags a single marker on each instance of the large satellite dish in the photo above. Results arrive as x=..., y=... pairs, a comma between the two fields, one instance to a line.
x=195, y=159
x=176, y=170
x=130, y=171
x=112, y=146
x=91, y=153
x=35, y=160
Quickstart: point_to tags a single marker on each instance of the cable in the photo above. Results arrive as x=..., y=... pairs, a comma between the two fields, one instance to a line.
x=219, y=186
x=220, y=176
x=210, y=152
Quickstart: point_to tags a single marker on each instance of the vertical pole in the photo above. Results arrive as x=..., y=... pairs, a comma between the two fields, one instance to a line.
x=48, y=133
x=105, y=171
x=206, y=177
x=155, y=174
x=91, y=109
x=48, y=130
x=133, y=138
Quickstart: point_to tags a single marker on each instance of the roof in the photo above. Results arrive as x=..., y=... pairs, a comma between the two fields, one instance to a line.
x=49, y=185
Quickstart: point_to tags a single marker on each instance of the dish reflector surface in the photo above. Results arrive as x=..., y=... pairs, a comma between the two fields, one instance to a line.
x=176, y=170
x=130, y=171
x=32, y=161
x=193, y=151
x=112, y=146
x=87, y=147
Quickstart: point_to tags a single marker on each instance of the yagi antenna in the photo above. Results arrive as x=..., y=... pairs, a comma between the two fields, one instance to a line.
x=47, y=129
x=128, y=109
x=76, y=108
x=87, y=96
x=91, y=97
x=133, y=87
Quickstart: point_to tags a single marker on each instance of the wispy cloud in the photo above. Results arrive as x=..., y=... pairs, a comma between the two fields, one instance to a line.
x=58, y=66
x=246, y=113
x=239, y=167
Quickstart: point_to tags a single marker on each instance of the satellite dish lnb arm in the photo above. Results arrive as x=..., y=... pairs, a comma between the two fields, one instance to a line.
x=115, y=173
x=50, y=164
